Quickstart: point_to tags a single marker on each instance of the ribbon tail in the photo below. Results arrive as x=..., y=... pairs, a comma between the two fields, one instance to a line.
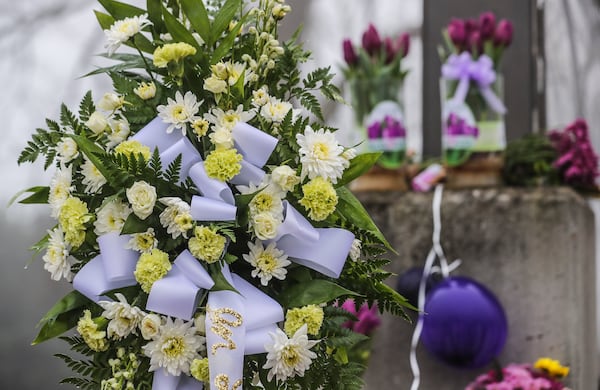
x=462, y=89
x=206, y=209
x=91, y=281
x=154, y=135
x=164, y=381
x=189, y=157
x=493, y=100
x=119, y=262
x=255, y=145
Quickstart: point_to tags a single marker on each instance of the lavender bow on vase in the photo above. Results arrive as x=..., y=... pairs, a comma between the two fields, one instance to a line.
x=471, y=87
x=375, y=77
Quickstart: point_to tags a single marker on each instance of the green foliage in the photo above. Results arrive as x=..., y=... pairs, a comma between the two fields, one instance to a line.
x=528, y=161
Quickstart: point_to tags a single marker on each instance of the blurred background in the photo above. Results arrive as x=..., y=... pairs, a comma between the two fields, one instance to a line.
x=47, y=45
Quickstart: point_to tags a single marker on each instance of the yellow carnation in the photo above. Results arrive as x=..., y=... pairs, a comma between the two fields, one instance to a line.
x=89, y=329
x=133, y=147
x=311, y=315
x=223, y=164
x=552, y=367
x=151, y=267
x=72, y=218
x=206, y=244
x=319, y=198
x=172, y=52
x=199, y=370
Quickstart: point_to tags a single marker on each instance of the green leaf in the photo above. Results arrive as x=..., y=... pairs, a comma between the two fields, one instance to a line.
x=227, y=43
x=313, y=292
x=134, y=225
x=358, y=166
x=92, y=151
x=353, y=211
x=61, y=317
x=221, y=284
x=155, y=15
x=179, y=32
x=120, y=10
x=223, y=18
x=104, y=20
x=39, y=196
x=198, y=17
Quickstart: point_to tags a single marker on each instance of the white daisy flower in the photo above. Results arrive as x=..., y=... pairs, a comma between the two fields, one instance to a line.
x=276, y=110
x=143, y=242
x=287, y=358
x=124, y=318
x=67, y=150
x=175, y=347
x=321, y=155
x=234, y=71
x=111, y=217
x=228, y=118
x=119, y=131
x=60, y=189
x=122, y=30
x=179, y=112
x=268, y=262
x=92, y=177
x=176, y=218
x=56, y=259
x=260, y=97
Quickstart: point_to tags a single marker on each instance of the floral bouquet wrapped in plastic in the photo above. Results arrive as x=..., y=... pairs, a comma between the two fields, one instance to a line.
x=201, y=213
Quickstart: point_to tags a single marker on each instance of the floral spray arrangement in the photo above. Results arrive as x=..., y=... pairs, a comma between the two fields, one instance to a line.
x=201, y=216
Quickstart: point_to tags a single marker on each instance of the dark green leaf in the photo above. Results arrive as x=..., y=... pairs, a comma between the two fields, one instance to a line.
x=198, y=17
x=155, y=15
x=358, y=166
x=61, y=317
x=39, y=196
x=221, y=284
x=91, y=151
x=313, y=292
x=104, y=20
x=227, y=43
x=134, y=225
x=179, y=32
x=120, y=10
x=223, y=18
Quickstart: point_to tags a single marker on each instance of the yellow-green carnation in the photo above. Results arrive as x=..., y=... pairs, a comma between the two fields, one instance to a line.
x=91, y=332
x=311, y=315
x=72, y=218
x=319, y=198
x=199, y=370
x=172, y=52
x=206, y=244
x=151, y=267
x=133, y=147
x=223, y=164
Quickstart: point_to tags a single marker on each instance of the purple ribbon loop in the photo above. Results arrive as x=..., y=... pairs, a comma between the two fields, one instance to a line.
x=154, y=135
x=206, y=209
x=255, y=145
x=91, y=281
x=177, y=293
x=164, y=381
x=464, y=69
x=296, y=225
x=189, y=156
x=249, y=174
x=209, y=187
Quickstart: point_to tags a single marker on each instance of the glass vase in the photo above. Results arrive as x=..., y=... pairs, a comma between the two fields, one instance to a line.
x=471, y=129
x=379, y=114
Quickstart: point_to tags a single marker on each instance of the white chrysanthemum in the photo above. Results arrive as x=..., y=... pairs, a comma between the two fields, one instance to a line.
x=268, y=262
x=234, y=71
x=222, y=138
x=111, y=217
x=228, y=118
x=92, y=177
x=60, y=189
x=145, y=90
x=269, y=198
x=175, y=347
x=275, y=110
x=124, y=318
x=176, y=218
x=122, y=30
x=349, y=154
x=67, y=150
x=179, y=112
x=119, y=131
x=287, y=358
x=355, y=249
x=143, y=242
x=56, y=259
x=260, y=97
x=321, y=155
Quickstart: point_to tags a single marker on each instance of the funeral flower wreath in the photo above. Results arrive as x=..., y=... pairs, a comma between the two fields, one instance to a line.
x=202, y=215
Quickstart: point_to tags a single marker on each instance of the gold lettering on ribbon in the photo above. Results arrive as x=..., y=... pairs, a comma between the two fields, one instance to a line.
x=222, y=326
x=222, y=383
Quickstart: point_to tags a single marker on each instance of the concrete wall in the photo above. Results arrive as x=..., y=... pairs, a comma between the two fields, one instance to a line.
x=533, y=248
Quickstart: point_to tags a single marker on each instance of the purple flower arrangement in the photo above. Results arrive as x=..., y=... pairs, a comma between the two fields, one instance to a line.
x=386, y=135
x=375, y=51
x=459, y=137
x=577, y=161
x=455, y=126
x=368, y=317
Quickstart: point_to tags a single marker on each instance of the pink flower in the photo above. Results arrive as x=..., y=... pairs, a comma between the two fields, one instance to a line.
x=349, y=53
x=487, y=25
x=368, y=318
x=504, y=33
x=457, y=32
x=371, y=41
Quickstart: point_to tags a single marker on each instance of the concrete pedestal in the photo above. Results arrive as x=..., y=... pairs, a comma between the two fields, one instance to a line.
x=533, y=248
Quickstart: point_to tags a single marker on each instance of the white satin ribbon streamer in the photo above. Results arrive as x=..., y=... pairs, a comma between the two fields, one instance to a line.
x=206, y=209
x=255, y=145
x=189, y=156
x=209, y=187
x=154, y=135
x=177, y=293
x=164, y=381
x=296, y=225
x=248, y=174
x=91, y=281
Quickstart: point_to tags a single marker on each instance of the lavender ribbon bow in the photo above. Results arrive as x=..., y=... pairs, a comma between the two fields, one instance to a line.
x=463, y=68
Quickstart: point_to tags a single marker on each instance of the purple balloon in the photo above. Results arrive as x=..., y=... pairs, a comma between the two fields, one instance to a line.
x=408, y=284
x=464, y=326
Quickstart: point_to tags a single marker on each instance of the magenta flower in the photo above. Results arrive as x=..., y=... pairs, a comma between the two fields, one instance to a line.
x=349, y=53
x=403, y=44
x=504, y=33
x=475, y=42
x=390, y=50
x=371, y=41
x=374, y=130
x=487, y=25
x=368, y=318
x=457, y=32
x=455, y=125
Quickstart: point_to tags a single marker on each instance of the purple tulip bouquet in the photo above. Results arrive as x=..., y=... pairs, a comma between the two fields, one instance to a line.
x=375, y=76
x=471, y=86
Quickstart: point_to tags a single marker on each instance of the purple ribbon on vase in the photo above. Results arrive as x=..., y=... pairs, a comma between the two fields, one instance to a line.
x=481, y=71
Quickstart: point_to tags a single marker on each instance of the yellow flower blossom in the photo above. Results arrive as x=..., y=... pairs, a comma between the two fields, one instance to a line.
x=72, y=218
x=151, y=267
x=206, y=244
x=311, y=316
x=91, y=332
x=199, y=370
x=172, y=52
x=223, y=164
x=319, y=198
x=133, y=147
x=552, y=367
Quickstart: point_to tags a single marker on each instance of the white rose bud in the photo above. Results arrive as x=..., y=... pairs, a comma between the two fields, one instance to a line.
x=67, y=149
x=150, y=326
x=200, y=324
x=265, y=226
x=285, y=177
x=222, y=138
x=220, y=70
x=97, y=122
x=355, y=250
x=111, y=102
x=142, y=197
x=145, y=91
x=215, y=85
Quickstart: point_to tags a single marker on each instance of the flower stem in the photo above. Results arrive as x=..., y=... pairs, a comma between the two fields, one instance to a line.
x=146, y=65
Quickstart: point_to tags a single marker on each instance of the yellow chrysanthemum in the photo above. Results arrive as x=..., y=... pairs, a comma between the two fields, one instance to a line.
x=72, y=218
x=172, y=52
x=223, y=164
x=199, y=370
x=89, y=329
x=133, y=147
x=319, y=198
x=200, y=127
x=151, y=267
x=552, y=367
x=206, y=244
x=311, y=315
